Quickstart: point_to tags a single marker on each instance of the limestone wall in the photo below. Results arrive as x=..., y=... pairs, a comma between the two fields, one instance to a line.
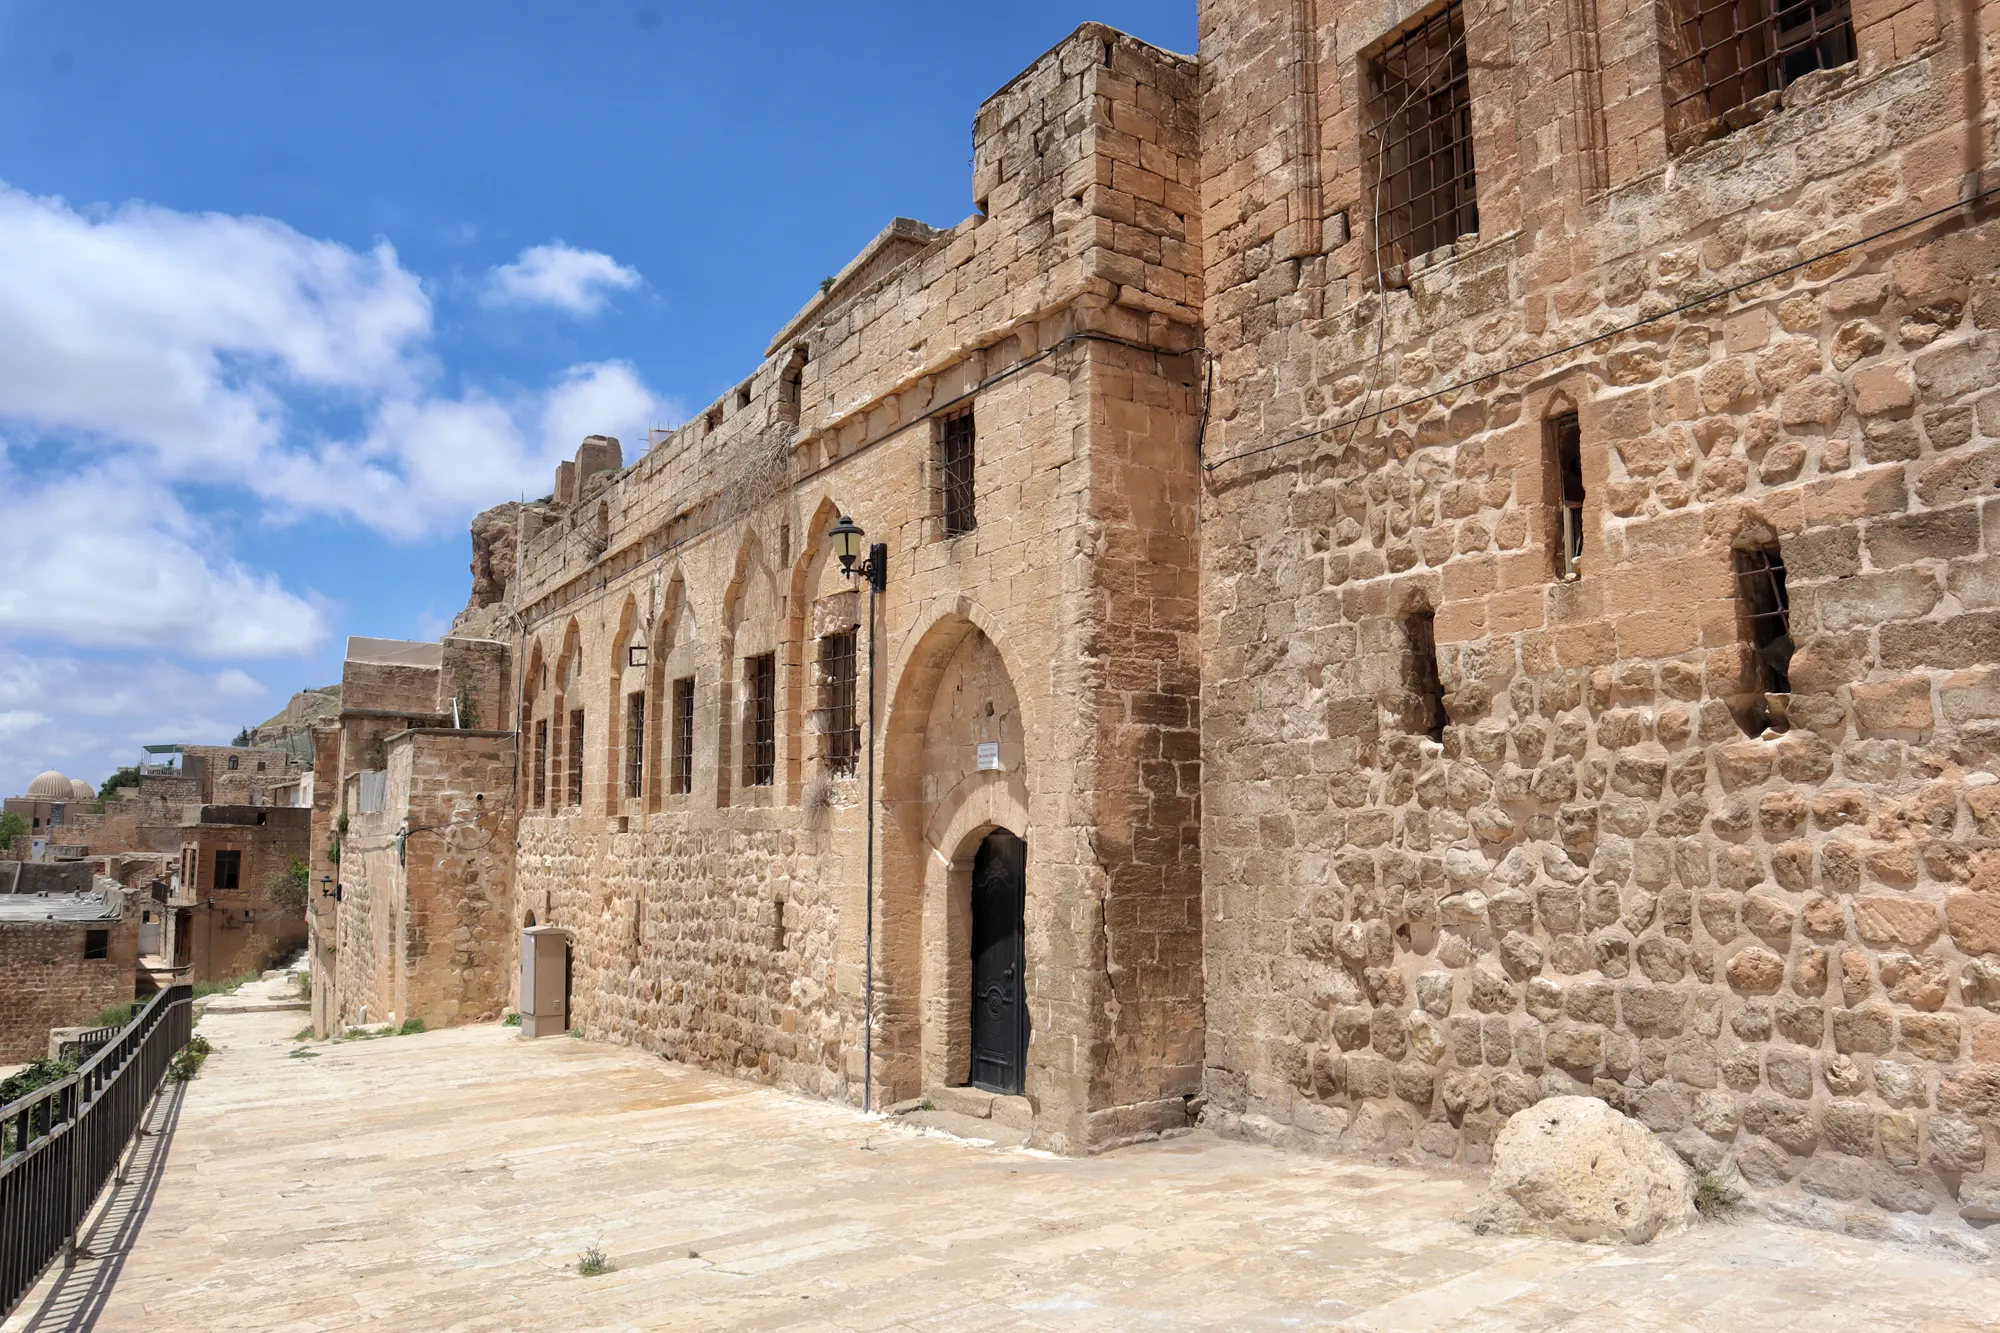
x=49, y=984
x=1777, y=949
x=725, y=924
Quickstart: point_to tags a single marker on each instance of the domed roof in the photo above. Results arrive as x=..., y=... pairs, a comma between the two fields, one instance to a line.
x=50, y=786
x=80, y=790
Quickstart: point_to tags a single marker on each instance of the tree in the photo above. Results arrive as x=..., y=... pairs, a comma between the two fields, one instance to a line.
x=124, y=777
x=242, y=740
x=291, y=886
x=11, y=827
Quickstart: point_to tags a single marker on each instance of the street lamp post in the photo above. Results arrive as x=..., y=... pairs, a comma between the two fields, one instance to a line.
x=847, y=537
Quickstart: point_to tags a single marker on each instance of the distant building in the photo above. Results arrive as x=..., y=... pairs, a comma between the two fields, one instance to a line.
x=64, y=958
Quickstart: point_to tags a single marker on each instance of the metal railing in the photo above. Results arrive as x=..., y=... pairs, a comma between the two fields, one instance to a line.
x=60, y=1144
x=87, y=1043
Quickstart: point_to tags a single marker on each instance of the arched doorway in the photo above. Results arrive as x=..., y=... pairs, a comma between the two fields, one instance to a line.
x=999, y=963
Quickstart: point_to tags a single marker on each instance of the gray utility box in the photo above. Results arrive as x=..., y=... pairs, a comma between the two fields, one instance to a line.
x=544, y=981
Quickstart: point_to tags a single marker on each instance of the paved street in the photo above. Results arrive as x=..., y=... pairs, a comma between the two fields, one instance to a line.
x=449, y=1180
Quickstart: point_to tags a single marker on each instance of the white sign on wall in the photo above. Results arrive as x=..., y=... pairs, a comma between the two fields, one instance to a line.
x=989, y=754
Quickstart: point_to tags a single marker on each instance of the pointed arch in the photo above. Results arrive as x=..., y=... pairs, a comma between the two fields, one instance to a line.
x=752, y=606
x=621, y=681
x=806, y=582
x=566, y=699
x=671, y=657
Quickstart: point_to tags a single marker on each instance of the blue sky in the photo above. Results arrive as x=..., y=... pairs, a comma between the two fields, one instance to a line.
x=289, y=291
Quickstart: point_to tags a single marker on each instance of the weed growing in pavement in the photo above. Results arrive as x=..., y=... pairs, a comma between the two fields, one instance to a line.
x=411, y=1027
x=188, y=1063
x=594, y=1262
x=303, y=1054
x=1716, y=1196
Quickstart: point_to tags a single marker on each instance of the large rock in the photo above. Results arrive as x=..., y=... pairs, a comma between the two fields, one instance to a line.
x=1572, y=1166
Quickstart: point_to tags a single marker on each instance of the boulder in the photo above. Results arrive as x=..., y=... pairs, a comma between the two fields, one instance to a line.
x=1572, y=1166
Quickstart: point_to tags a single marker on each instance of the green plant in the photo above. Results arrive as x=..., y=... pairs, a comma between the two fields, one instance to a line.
x=188, y=1063
x=290, y=887
x=242, y=740
x=117, y=1016
x=303, y=1054
x=222, y=987
x=411, y=1026
x=1716, y=1195
x=333, y=842
x=303, y=1034
x=467, y=711
x=926, y=1105
x=12, y=826
x=305, y=983
x=124, y=777
x=511, y=1021
x=576, y=1030
x=594, y=1262
x=825, y=286
x=37, y=1073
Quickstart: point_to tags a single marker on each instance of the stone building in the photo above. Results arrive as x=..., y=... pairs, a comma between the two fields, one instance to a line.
x=1435, y=556
x=64, y=958
x=221, y=918
x=411, y=893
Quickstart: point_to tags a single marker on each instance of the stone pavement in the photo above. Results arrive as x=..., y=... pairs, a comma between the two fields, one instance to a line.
x=449, y=1180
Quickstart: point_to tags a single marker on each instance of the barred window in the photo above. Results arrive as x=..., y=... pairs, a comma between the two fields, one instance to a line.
x=635, y=743
x=541, y=762
x=682, y=781
x=1721, y=54
x=576, y=756
x=1565, y=442
x=1420, y=634
x=1760, y=584
x=1421, y=164
x=955, y=462
x=838, y=714
x=760, y=720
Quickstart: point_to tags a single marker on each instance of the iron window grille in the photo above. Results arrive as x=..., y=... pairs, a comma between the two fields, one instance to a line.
x=635, y=743
x=1421, y=109
x=682, y=781
x=760, y=748
x=228, y=870
x=1767, y=609
x=1566, y=448
x=955, y=465
x=541, y=759
x=837, y=701
x=576, y=756
x=1724, y=53
x=1420, y=632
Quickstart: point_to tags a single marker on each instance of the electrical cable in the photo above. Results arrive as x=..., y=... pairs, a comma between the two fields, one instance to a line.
x=1608, y=334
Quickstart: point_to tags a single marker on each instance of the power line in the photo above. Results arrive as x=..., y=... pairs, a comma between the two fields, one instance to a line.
x=1639, y=323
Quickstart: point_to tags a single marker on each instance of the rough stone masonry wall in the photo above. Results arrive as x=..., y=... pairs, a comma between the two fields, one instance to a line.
x=458, y=880
x=1784, y=952
x=1084, y=167
x=49, y=984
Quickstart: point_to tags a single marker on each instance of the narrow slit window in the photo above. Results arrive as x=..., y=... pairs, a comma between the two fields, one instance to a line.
x=683, y=739
x=838, y=713
x=1427, y=694
x=778, y=926
x=1722, y=54
x=541, y=761
x=1767, y=610
x=1421, y=163
x=576, y=756
x=635, y=743
x=1566, y=465
x=760, y=719
x=955, y=465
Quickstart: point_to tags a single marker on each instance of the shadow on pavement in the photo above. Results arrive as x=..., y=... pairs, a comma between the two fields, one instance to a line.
x=78, y=1295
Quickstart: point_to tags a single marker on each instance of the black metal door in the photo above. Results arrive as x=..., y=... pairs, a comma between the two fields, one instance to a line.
x=999, y=963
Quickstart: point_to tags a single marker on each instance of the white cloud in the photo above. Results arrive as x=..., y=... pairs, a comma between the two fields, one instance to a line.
x=107, y=557
x=579, y=282
x=209, y=344
x=105, y=709
x=182, y=333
